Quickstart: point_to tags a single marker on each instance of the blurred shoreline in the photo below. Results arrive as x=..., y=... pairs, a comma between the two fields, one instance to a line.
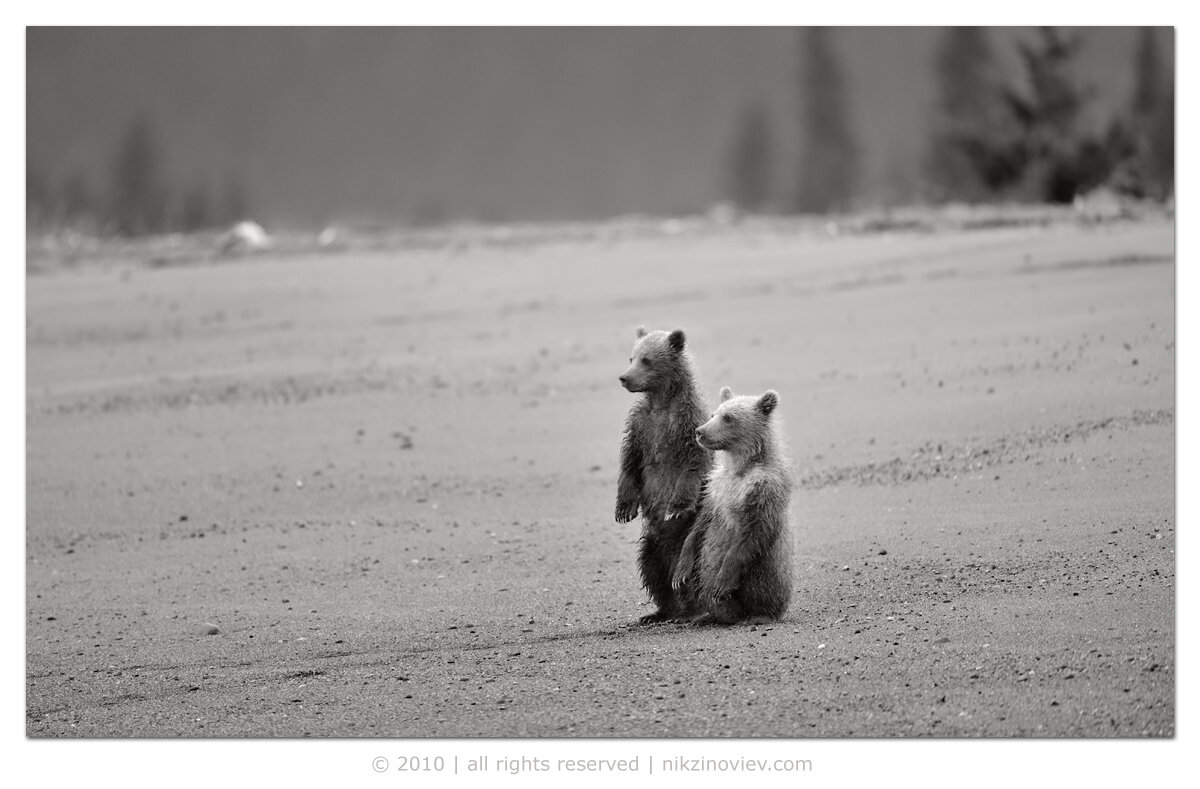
x=48, y=252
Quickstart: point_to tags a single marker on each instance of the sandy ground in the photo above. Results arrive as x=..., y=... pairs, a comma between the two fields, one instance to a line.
x=388, y=479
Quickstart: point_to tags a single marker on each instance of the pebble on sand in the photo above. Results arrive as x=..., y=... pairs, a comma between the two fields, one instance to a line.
x=210, y=629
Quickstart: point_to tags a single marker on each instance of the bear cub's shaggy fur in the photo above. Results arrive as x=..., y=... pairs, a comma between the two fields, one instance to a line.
x=662, y=466
x=736, y=563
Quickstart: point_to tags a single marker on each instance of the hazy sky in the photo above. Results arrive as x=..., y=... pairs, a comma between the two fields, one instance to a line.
x=511, y=123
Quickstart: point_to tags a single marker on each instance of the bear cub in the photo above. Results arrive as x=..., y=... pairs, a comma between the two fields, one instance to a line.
x=662, y=467
x=736, y=563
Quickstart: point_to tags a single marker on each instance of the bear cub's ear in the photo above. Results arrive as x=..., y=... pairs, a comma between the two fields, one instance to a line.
x=726, y=393
x=766, y=404
x=677, y=340
x=641, y=332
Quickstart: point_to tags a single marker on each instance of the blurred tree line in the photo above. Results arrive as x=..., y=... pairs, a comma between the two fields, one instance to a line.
x=991, y=138
x=137, y=199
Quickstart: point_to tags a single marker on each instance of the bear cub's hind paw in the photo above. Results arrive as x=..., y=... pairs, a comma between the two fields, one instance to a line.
x=661, y=615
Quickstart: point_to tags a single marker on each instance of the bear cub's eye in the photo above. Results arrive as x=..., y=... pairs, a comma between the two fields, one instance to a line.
x=727, y=418
x=645, y=361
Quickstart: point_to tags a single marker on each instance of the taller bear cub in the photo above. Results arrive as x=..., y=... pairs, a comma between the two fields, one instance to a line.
x=662, y=466
x=736, y=564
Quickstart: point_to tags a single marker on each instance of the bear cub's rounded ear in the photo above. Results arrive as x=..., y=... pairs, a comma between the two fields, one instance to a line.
x=677, y=340
x=767, y=403
x=641, y=332
x=726, y=393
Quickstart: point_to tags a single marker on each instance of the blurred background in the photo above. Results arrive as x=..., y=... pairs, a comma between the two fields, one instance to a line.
x=136, y=131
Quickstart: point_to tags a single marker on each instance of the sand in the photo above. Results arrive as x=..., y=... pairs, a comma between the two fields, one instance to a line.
x=387, y=480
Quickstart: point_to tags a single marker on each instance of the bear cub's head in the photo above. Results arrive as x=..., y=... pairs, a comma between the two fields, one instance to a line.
x=656, y=362
x=740, y=424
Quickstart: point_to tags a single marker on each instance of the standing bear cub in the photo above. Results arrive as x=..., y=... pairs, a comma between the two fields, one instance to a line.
x=736, y=563
x=662, y=466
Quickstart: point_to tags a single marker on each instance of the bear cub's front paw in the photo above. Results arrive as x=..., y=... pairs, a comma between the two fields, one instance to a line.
x=626, y=511
x=679, y=577
x=679, y=511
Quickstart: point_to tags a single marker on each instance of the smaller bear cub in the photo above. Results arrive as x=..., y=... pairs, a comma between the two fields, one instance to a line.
x=736, y=562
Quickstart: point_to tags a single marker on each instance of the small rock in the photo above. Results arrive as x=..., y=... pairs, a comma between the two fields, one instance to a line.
x=328, y=236
x=210, y=629
x=883, y=551
x=246, y=236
